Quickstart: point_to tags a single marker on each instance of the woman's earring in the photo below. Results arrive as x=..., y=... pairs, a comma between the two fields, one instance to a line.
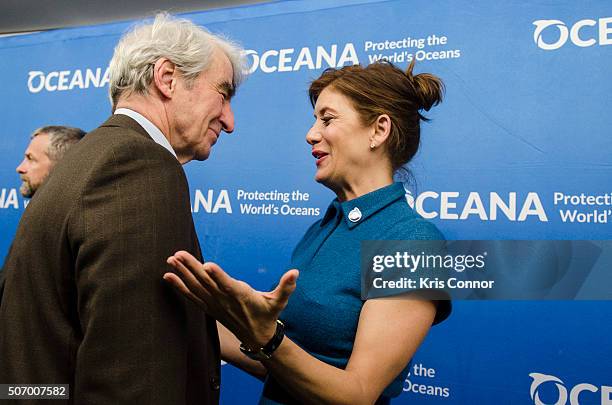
x=372, y=146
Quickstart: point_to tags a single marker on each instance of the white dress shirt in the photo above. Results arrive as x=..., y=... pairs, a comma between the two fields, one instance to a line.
x=148, y=126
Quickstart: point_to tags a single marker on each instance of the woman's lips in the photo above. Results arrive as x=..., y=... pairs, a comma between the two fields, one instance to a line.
x=321, y=159
x=319, y=155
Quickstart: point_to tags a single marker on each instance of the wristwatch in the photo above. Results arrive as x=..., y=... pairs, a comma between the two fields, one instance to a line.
x=265, y=352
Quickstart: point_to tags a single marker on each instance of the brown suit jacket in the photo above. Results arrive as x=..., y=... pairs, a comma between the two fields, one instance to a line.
x=84, y=302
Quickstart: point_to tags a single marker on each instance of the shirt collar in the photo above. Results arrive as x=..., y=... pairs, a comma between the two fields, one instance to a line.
x=148, y=126
x=332, y=212
x=359, y=209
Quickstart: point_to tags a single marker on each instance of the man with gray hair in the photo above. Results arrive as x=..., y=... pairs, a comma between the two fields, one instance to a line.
x=84, y=302
x=47, y=146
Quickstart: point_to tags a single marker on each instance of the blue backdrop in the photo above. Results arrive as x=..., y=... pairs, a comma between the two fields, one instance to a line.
x=523, y=133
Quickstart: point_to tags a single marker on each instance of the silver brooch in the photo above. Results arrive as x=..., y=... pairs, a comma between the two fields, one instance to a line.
x=354, y=215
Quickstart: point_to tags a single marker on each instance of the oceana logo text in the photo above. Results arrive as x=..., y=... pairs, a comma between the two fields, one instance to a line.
x=553, y=34
x=66, y=80
x=454, y=205
x=291, y=59
x=560, y=395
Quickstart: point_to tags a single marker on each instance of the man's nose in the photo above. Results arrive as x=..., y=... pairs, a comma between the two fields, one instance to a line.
x=227, y=118
x=21, y=169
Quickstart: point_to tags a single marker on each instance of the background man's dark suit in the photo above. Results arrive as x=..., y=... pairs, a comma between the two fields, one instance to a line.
x=85, y=303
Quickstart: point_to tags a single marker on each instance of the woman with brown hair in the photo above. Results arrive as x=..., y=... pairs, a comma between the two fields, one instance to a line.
x=337, y=348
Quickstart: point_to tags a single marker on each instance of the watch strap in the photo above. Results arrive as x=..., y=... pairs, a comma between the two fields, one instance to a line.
x=266, y=351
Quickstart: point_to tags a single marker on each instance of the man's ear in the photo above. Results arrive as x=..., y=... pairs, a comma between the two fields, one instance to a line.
x=164, y=77
x=381, y=130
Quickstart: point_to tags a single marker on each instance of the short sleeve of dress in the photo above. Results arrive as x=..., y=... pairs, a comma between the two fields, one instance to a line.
x=417, y=228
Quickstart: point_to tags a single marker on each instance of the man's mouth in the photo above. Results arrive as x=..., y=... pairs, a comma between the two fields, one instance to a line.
x=217, y=133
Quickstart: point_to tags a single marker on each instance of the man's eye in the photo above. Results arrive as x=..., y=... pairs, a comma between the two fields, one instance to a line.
x=224, y=95
x=326, y=120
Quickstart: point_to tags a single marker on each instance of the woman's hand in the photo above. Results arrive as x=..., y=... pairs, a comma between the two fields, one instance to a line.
x=251, y=315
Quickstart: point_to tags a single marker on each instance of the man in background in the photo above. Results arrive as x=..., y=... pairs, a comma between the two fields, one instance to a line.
x=46, y=148
x=84, y=302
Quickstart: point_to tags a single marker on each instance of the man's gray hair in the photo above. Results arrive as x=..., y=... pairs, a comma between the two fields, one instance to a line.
x=189, y=46
x=61, y=138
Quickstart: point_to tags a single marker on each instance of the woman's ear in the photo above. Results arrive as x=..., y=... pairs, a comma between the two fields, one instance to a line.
x=382, y=129
x=164, y=78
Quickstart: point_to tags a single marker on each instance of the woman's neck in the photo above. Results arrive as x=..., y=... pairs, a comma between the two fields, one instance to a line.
x=357, y=187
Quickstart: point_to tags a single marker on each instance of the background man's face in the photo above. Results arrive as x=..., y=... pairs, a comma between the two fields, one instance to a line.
x=35, y=166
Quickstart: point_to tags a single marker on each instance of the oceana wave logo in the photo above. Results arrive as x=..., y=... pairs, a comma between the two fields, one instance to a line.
x=577, y=34
x=539, y=379
x=66, y=80
x=561, y=396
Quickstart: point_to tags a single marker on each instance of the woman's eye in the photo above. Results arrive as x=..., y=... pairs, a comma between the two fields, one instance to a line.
x=326, y=120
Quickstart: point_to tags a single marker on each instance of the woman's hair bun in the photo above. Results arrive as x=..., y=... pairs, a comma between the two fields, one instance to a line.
x=429, y=88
